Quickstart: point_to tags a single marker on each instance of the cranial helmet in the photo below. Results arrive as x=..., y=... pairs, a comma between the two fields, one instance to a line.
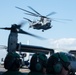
x=12, y=61
x=56, y=62
x=38, y=62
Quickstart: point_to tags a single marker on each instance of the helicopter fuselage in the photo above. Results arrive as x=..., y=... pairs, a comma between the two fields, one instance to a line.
x=41, y=25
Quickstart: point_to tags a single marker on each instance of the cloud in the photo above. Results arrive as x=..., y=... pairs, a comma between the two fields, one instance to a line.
x=63, y=43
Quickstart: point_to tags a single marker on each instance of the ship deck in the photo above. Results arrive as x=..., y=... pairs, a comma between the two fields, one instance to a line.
x=23, y=70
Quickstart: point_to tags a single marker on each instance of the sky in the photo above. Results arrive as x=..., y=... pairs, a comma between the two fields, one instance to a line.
x=61, y=36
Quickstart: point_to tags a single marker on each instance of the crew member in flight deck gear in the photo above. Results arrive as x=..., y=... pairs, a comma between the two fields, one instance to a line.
x=12, y=64
x=58, y=64
x=38, y=64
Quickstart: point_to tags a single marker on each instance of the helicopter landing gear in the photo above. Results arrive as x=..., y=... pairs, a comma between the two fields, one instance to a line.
x=42, y=30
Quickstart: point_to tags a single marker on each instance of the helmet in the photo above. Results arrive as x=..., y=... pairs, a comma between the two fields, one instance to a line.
x=57, y=61
x=38, y=62
x=12, y=61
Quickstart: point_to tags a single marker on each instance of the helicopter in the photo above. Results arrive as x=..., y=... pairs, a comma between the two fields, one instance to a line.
x=43, y=23
x=14, y=46
x=13, y=39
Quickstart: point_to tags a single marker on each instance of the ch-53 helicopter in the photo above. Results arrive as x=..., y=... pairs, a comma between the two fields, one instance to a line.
x=44, y=23
x=14, y=46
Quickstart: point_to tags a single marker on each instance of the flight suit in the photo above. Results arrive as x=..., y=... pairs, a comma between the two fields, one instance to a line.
x=12, y=63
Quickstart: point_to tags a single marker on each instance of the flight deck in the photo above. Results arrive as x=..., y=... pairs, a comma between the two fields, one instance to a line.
x=23, y=70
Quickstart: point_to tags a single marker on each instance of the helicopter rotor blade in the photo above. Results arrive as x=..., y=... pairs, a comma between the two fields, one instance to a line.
x=27, y=11
x=52, y=13
x=31, y=14
x=21, y=24
x=17, y=26
x=27, y=19
x=35, y=11
x=6, y=28
x=57, y=21
x=62, y=19
x=24, y=32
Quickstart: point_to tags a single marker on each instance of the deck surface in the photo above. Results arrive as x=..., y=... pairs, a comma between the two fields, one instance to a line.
x=2, y=69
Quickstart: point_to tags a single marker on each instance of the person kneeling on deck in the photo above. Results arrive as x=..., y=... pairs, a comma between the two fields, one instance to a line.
x=38, y=64
x=12, y=64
